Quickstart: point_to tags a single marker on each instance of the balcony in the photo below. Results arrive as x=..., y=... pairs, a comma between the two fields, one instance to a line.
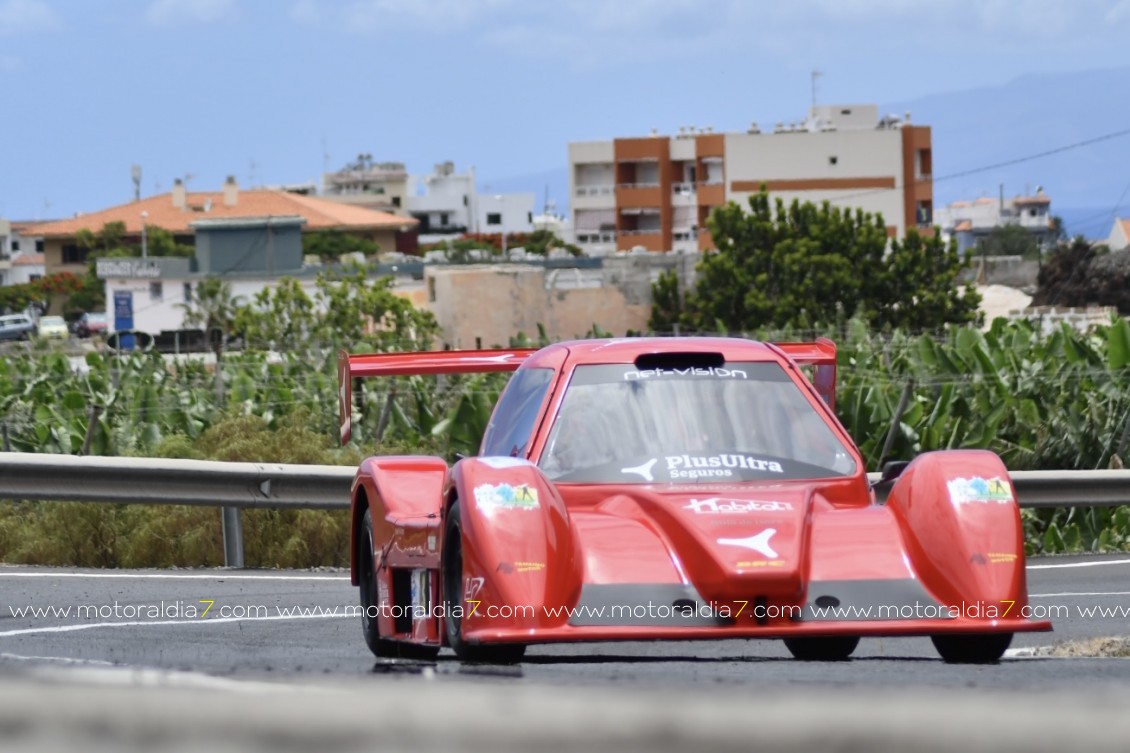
x=638, y=195
x=603, y=190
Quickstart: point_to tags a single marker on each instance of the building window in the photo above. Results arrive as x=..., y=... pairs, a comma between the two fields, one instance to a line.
x=444, y=218
x=188, y=292
x=833, y=160
x=530, y=217
x=925, y=213
x=72, y=254
x=15, y=245
x=431, y=290
x=39, y=246
x=494, y=218
x=156, y=291
x=33, y=278
x=396, y=201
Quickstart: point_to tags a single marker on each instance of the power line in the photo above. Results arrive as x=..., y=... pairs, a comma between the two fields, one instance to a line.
x=994, y=166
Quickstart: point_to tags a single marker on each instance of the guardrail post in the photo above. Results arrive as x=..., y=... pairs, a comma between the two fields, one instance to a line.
x=7, y=439
x=233, y=537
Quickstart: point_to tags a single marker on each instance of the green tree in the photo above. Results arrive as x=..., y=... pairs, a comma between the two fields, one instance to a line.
x=1009, y=240
x=212, y=307
x=330, y=245
x=283, y=316
x=359, y=310
x=804, y=265
x=541, y=242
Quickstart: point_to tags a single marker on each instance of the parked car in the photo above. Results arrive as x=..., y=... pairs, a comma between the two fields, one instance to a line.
x=91, y=323
x=16, y=327
x=53, y=328
x=676, y=488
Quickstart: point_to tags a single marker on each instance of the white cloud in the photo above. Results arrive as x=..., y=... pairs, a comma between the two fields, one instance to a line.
x=433, y=15
x=178, y=12
x=24, y=16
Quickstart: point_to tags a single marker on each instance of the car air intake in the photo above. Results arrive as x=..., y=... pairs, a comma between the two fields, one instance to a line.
x=680, y=360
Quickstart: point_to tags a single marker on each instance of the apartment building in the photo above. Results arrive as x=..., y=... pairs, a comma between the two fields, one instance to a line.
x=656, y=192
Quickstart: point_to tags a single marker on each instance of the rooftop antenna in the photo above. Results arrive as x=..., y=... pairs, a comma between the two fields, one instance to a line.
x=135, y=173
x=815, y=75
x=252, y=175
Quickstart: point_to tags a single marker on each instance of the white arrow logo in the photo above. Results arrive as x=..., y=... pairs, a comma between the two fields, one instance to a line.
x=758, y=543
x=643, y=470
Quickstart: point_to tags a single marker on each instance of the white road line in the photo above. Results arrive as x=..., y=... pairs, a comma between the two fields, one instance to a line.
x=142, y=623
x=173, y=576
x=1079, y=564
x=1080, y=593
x=57, y=660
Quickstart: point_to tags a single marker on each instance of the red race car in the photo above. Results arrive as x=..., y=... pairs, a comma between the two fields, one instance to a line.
x=676, y=488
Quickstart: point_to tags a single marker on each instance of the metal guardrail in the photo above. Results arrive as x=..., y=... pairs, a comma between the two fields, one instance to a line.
x=234, y=486
x=157, y=481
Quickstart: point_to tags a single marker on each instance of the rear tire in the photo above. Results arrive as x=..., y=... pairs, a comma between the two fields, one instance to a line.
x=382, y=648
x=502, y=653
x=986, y=648
x=824, y=648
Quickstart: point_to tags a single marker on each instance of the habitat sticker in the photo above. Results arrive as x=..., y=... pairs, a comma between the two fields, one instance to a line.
x=979, y=490
x=507, y=496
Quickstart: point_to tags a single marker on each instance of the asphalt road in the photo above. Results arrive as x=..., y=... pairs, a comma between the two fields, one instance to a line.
x=288, y=678
x=280, y=624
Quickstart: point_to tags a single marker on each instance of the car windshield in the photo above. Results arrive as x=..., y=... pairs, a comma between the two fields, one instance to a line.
x=732, y=422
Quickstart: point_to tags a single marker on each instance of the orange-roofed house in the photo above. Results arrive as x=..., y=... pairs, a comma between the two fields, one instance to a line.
x=1119, y=235
x=251, y=238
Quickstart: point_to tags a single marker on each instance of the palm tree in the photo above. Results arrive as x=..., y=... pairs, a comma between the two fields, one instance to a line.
x=212, y=306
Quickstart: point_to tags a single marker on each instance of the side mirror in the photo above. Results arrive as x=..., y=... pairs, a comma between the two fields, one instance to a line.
x=891, y=471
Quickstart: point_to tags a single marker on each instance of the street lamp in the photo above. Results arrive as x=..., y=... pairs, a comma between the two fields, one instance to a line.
x=144, y=238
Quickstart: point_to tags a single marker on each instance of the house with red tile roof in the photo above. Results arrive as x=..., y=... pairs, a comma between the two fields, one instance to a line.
x=182, y=213
x=1119, y=235
x=250, y=238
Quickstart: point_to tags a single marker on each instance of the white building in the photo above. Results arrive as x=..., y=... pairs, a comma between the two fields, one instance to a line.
x=1119, y=235
x=448, y=204
x=656, y=192
x=970, y=221
x=26, y=268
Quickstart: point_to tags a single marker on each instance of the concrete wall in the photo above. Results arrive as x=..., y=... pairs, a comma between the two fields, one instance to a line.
x=1013, y=271
x=485, y=306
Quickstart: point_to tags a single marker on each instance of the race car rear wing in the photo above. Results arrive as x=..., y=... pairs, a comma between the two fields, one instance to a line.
x=350, y=367
x=820, y=354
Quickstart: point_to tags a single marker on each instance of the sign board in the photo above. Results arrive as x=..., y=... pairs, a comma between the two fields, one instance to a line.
x=143, y=268
x=123, y=316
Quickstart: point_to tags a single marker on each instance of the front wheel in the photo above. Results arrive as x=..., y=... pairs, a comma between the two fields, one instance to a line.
x=985, y=648
x=505, y=653
x=829, y=648
x=382, y=648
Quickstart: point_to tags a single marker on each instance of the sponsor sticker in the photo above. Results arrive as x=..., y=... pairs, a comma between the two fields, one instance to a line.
x=758, y=543
x=471, y=588
x=690, y=371
x=978, y=490
x=762, y=563
x=1000, y=558
x=506, y=496
x=716, y=466
x=722, y=506
x=510, y=568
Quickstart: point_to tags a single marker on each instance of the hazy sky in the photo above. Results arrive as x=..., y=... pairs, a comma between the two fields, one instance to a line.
x=274, y=91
